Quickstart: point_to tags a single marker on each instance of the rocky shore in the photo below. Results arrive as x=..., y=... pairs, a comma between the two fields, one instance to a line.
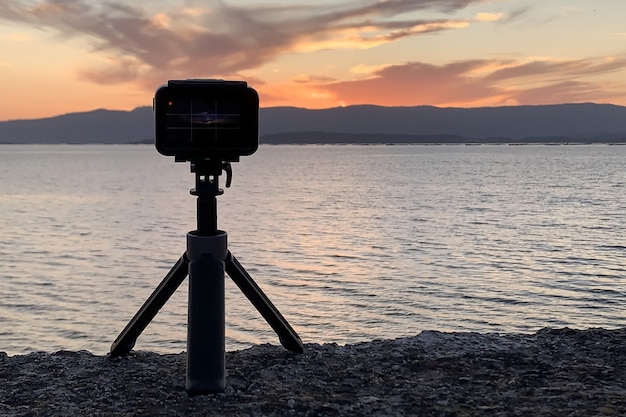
x=555, y=372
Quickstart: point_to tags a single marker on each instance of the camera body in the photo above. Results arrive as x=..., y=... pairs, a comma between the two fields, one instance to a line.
x=206, y=119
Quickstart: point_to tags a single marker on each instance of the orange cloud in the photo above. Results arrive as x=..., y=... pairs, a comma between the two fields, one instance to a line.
x=489, y=17
x=149, y=47
x=371, y=36
x=470, y=83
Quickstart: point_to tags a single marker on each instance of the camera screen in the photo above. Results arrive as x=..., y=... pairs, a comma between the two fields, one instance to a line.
x=202, y=123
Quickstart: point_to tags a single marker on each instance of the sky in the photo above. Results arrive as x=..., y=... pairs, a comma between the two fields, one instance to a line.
x=64, y=56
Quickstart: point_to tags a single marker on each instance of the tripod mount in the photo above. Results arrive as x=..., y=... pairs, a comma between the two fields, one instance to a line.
x=206, y=260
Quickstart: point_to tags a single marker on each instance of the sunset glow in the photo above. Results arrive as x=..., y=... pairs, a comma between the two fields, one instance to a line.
x=59, y=57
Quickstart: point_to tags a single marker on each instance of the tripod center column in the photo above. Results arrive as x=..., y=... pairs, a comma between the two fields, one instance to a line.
x=206, y=350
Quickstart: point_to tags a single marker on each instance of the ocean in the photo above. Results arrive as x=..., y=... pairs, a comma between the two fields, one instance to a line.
x=351, y=243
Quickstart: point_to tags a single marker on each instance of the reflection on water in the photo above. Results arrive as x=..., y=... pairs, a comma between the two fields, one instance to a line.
x=350, y=242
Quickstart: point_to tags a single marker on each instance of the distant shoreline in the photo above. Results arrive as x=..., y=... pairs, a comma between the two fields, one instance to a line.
x=340, y=138
x=314, y=137
x=466, y=142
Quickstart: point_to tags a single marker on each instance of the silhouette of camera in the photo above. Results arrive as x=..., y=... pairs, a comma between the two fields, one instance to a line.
x=206, y=119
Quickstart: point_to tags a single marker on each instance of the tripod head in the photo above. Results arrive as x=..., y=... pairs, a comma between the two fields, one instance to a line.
x=211, y=169
x=207, y=172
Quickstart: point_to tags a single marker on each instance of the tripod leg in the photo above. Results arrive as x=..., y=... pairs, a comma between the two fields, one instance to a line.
x=127, y=338
x=286, y=334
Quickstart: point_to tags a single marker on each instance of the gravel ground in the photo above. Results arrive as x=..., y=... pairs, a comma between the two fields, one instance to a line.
x=555, y=372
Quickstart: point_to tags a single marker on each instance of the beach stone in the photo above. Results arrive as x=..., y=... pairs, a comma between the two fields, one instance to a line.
x=553, y=372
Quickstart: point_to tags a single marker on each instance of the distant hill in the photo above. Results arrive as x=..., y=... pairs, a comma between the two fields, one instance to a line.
x=98, y=126
x=593, y=122
x=585, y=122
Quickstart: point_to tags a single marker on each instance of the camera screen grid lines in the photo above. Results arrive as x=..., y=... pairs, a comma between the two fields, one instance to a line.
x=206, y=119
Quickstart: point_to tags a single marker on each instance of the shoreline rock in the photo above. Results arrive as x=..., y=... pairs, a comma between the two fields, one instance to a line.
x=560, y=372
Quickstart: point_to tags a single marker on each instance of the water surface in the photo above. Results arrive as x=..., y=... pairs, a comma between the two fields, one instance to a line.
x=351, y=243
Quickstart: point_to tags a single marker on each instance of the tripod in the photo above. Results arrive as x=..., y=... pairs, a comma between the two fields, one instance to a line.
x=206, y=259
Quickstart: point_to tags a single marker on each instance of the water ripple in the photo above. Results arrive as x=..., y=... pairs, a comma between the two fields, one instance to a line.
x=398, y=240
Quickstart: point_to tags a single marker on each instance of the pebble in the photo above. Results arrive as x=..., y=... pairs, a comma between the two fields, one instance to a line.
x=553, y=372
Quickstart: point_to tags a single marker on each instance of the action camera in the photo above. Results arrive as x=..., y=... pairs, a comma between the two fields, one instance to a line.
x=206, y=119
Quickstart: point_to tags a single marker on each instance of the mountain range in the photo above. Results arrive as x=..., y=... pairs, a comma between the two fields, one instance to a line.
x=584, y=122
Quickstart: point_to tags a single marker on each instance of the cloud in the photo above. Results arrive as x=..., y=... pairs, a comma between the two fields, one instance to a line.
x=363, y=69
x=562, y=92
x=416, y=83
x=145, y=44
x=558, y=68
x=17, y=37
x=518, y=13
x=483, y=82
x=213, y=38
x=489, y=17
